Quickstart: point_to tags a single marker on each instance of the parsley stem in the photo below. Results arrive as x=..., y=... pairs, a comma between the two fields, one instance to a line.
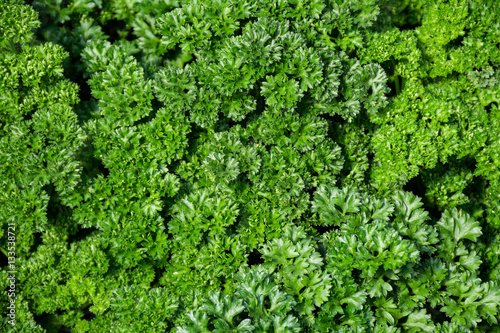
x=396, y=81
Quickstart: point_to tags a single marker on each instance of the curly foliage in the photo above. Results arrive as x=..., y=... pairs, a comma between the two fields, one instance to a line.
x=250, y=166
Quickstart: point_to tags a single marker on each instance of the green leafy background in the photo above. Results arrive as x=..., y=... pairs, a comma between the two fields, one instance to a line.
x=251, y=166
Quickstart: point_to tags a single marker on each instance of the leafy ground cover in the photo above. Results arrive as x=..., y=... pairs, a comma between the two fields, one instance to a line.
x=250, y=166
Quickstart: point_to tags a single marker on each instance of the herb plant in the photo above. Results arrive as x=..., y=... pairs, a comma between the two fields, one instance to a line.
x=250, y=166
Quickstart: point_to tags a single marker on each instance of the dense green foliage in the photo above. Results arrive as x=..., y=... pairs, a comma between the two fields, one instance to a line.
x=251, y=166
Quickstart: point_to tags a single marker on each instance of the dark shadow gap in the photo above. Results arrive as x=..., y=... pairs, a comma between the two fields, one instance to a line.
x=255, y=258
x=417, y=186
x=322, y=229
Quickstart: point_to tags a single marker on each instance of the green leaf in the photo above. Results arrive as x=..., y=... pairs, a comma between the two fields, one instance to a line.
x=419, y=321
x=458, y=226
